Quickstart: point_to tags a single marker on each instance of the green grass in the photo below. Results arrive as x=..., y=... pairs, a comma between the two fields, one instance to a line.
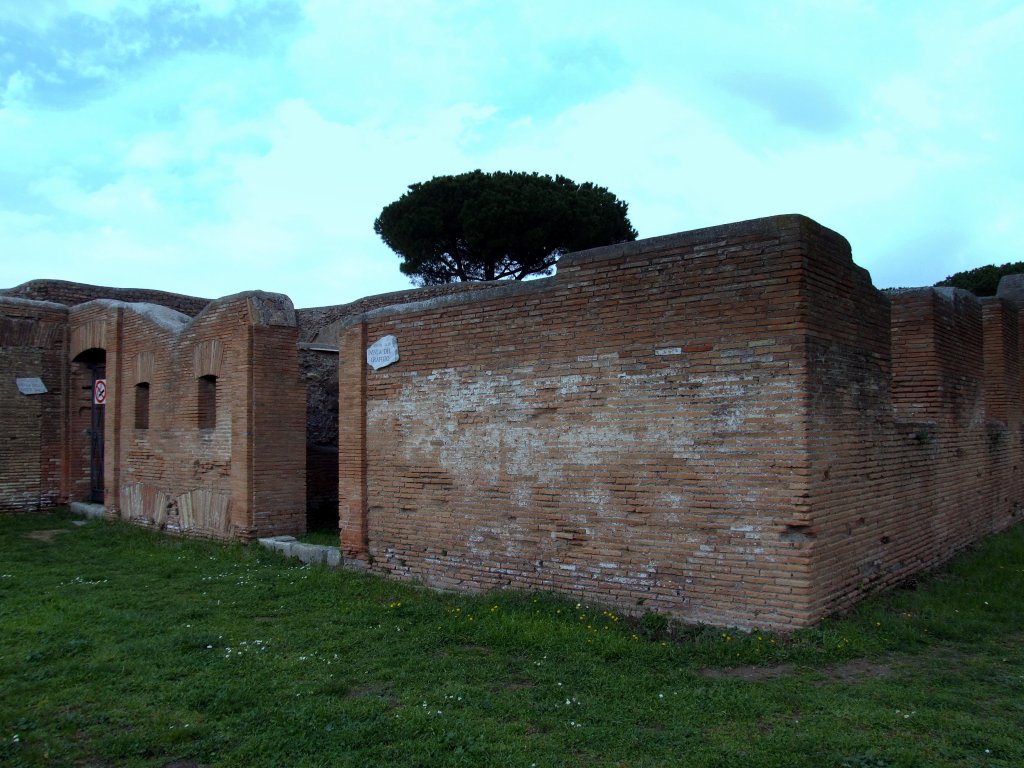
x=325, y=536
x=121, y=647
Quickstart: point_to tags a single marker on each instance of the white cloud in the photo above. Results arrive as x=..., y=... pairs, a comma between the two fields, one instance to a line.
x=17, y=90
x=43, y=13
x=265, y=166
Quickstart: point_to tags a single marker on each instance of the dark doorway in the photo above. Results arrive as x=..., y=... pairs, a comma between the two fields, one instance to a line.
x=90, y=391
x=320, y=371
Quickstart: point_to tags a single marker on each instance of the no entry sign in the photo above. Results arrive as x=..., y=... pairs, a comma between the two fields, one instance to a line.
x=99, y=392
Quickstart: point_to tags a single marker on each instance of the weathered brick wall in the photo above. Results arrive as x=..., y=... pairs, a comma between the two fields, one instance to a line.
x=70, y=294
x=1001, y=360
x=318, y=331
x=321, y=323
x=1001, y=321
x=731, y=424
x=912, y=466
x=848, y=405
x=33, y=342
x=241, y=476
x=631, y=429
x=278, y=413
x=352, y=502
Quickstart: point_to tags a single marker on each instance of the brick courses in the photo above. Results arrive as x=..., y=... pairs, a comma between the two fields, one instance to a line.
x=318, y=331
x=243, y=476
x=731, y=425
x=33, y=340
x=71, y=294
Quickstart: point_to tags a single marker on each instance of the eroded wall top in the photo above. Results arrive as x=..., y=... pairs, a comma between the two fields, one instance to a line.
x=70, y=293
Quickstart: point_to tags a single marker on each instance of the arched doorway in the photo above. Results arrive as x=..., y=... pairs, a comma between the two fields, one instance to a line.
x=88, y=392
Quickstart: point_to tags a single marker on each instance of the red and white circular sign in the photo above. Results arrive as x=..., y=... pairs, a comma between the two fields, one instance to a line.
x=99, y=392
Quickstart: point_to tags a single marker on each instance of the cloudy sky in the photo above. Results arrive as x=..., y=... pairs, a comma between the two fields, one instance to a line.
x=215, y=146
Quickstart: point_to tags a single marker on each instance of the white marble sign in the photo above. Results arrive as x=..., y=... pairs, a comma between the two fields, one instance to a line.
x=31, y=386
x=382, y=352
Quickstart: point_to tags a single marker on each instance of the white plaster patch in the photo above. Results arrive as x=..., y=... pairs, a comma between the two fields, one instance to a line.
x=570, y=385
x=522, y=496
x=675, y=500
x=483, y=428
x=594, y=498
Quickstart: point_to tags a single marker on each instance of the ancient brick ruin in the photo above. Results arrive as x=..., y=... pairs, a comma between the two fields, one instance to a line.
x=731, y=425
x=187, y=403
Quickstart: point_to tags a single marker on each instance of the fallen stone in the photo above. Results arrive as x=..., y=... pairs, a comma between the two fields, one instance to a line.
x=87, y=509
x=289, y=546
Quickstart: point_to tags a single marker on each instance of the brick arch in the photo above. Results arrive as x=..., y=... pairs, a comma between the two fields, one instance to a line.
x=91, y=335
x=142, y=367
x=208, y=358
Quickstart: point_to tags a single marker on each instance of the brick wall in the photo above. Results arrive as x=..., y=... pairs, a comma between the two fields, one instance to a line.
x=241, y=475
x=70, y=294
x=731, y=425
x=849, y=410
x=910, y=469
x=32, y=344
x=321, y=323
x=318, y=331
x=631, y=429
x=278, y=413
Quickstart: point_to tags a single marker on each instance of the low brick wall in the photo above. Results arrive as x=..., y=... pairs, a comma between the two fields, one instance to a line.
x=33, y=343
x=203, y=422
x=730, y=425
x=631, y=430
x=236, y=472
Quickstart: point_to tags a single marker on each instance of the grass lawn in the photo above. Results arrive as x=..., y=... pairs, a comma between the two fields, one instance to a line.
x=121, y=647
x=328, y=537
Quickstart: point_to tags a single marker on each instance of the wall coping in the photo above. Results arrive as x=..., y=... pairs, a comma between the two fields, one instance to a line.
x=944, y=293
x=503, y=288
x=17, y=301
x=265, y=309
x=154, y=294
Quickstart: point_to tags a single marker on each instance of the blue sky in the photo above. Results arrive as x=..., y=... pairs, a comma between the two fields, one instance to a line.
x=214, y=147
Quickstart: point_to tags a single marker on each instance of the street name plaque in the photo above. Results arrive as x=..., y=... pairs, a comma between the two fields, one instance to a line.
x=382, y=352
x=31, y=386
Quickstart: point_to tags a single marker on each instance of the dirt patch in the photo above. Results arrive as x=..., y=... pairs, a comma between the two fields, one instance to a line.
x=383, y=693
x=858, y=669
x=751, y=674
x=519, y=685
x=45, y=536
x=470, y=649
x=850, y=672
